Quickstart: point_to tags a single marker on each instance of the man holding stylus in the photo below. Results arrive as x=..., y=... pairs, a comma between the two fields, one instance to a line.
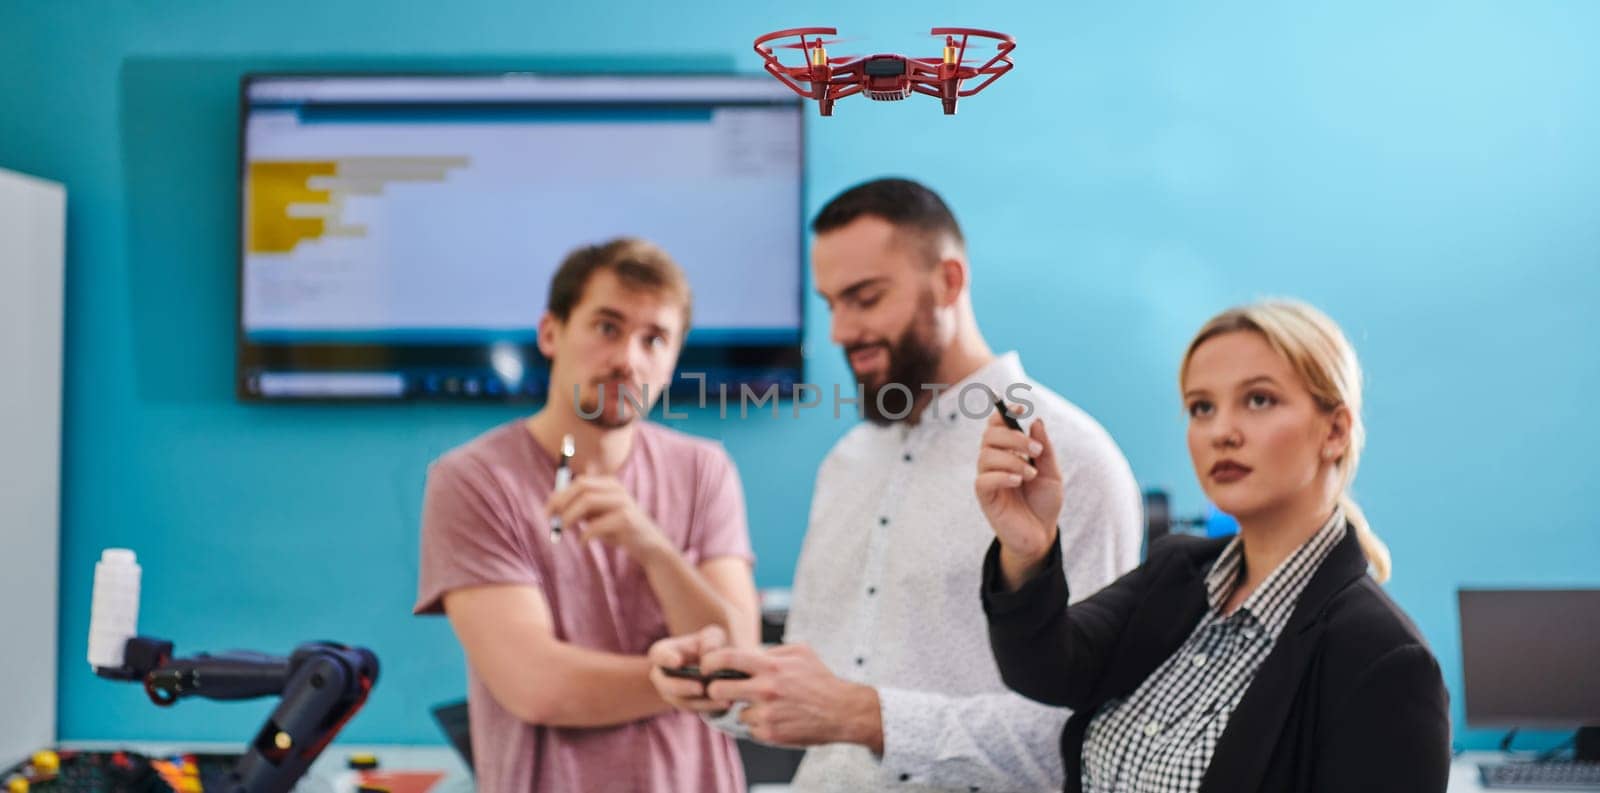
x=652, y=541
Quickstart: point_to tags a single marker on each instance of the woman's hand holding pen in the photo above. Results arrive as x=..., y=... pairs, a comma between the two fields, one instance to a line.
x=599, y=508
x=1022, y=502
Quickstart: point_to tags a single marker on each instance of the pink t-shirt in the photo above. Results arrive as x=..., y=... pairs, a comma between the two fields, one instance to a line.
x=483, y=523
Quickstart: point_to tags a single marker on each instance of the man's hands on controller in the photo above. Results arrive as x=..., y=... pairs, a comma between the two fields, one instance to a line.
x=677, y=652
x=791, y=697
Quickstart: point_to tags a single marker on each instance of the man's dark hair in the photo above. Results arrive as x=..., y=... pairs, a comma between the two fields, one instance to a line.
x=638, y=264
x=907, y=205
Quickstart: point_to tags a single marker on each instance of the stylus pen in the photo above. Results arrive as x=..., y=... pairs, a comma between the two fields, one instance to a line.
x=1010, y=420
x=563, y=478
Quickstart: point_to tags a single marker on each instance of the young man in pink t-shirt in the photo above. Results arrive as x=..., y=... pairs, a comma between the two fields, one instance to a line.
x=655, y=543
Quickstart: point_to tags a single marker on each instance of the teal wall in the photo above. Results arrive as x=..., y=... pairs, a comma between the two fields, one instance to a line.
x=1429, y=173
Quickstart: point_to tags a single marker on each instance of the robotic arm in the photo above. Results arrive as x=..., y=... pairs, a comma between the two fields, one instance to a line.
x=322, y=685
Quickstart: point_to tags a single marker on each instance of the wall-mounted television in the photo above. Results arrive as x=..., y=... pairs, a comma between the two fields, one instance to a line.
x=398, y=232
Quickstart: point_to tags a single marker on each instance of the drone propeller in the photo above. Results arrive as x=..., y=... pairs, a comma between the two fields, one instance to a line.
x=939, y=61
x=956, y=36
x=811, y=44
x=964, y=32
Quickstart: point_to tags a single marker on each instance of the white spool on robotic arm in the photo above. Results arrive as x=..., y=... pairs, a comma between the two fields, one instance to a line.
x=322, y=684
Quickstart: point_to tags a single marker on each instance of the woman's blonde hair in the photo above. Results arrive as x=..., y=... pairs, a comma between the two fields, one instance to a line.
x=1318, y=350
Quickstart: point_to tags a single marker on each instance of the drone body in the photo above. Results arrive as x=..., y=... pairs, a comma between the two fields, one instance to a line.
x=884, y=78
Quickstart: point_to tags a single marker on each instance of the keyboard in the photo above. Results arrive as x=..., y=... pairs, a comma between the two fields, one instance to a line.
x=1546, y=776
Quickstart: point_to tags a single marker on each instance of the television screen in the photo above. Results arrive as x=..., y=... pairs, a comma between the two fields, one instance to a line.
x=399, y=232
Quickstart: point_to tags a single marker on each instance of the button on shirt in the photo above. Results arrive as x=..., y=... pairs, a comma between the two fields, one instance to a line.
x=1160, y=739
x=887, y=589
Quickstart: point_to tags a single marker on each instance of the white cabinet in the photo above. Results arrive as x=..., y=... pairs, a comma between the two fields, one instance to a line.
x=32, y=241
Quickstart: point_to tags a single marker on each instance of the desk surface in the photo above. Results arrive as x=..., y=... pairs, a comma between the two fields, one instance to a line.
x=324, y=774
x=327, y=772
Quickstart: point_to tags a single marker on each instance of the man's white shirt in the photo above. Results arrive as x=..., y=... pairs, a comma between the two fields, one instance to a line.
x=886, y=590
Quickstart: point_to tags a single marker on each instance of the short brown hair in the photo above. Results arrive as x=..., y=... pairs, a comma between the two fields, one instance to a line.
x=638, y=264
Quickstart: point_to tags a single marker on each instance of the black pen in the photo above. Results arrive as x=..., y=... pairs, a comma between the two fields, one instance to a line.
x=1010, y=420
x=563, y=478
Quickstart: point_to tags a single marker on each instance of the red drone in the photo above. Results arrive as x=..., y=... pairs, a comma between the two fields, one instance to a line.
x=884, y=78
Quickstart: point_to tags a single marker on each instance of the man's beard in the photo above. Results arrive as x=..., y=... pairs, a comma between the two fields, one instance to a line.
x=913, y=361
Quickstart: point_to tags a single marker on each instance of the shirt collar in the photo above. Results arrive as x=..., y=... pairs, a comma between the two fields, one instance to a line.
x=999, y=376
x=1273, y=600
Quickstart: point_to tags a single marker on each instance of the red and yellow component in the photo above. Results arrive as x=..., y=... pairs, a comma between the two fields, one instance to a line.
x=182, y=775
x=819, y=56
x=45, y=764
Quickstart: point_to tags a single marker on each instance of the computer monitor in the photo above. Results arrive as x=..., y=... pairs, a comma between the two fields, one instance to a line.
x=1529, y=658
x=399, y=232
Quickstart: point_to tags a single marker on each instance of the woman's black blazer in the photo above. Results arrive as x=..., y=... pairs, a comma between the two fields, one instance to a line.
x=1350, y=700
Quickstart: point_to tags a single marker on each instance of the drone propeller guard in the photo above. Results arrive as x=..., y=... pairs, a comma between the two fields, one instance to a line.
x=883, y=77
